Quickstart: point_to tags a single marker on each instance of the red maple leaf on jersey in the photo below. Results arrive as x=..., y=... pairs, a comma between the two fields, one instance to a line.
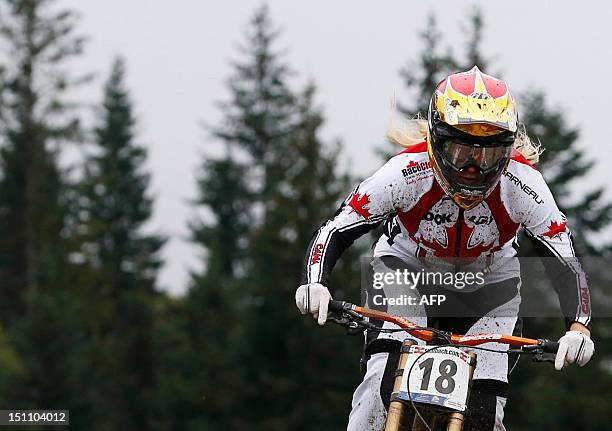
x=358, y=204
x=412, y=164
x=555, y=229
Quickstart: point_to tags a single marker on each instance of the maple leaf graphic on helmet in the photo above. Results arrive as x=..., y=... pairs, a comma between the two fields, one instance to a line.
x=358, y=203
x=556, y=229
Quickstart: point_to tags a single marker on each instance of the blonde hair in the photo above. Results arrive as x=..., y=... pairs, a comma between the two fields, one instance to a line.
x=407, y=132
x=530, y=149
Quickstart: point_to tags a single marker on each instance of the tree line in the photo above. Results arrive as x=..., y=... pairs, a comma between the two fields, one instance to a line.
x=83, y=323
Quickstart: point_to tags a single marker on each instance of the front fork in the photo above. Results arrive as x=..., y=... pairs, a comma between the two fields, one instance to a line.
x=397, y=408
x=456, y=420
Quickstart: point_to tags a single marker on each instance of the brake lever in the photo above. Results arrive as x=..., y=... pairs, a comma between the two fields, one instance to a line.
x=352, y=327
x=544, y=351
x=537, y=352
x=541, y=356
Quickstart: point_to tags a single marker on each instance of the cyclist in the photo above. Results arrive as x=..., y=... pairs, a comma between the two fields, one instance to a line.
x=464, y=191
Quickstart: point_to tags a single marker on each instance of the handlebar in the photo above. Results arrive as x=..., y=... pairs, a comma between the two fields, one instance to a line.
x=337, y=306
x=355, y=316
x=550, y=346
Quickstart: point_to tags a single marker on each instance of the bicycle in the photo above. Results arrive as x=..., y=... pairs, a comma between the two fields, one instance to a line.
x=447, y=398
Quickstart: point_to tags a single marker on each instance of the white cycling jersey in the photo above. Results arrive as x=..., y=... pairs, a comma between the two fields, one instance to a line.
x=424, y=224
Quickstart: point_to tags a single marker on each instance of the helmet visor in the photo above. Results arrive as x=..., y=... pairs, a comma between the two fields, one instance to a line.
x=460, y=154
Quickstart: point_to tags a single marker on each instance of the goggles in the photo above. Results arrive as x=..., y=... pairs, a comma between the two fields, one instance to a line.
x=460, y=154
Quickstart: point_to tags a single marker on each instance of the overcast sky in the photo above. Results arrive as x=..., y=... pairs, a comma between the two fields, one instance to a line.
x=178, y=55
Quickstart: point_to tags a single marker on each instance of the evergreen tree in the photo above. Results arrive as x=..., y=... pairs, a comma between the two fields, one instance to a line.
x=38, y=309
x=115, y=201
x=588, y=214
x=34, y=122
x=256, y=120
x=323, y=362
x=214, y=311
x=562, y=164
x=224, y=190
x=122, y=262
x=422, y=76
x=474, y=55
x=260, y=115
x=268, y=205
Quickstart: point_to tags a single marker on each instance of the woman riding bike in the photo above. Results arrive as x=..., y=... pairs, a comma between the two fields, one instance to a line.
x=462, y=193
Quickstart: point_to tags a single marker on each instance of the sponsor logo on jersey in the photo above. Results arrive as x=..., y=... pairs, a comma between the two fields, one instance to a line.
x=524, y=187
x=482, y=219
x=438, y=219
x=316, y=256
x=413, y=168
x=585, y=300
x=556, y=229
x=358, y=203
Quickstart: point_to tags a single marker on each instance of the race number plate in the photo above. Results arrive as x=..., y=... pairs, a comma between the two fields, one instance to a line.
x=438, y=375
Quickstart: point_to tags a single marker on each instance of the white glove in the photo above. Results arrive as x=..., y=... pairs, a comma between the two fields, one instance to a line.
x=313, y=298
x=574, y=347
